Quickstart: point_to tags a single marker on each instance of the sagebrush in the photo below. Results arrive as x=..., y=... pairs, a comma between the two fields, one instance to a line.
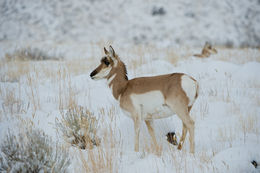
x=31, y=54
x=32, y=151
x=79, y=128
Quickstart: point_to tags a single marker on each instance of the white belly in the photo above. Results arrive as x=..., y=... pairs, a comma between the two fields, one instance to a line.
x=151, y=105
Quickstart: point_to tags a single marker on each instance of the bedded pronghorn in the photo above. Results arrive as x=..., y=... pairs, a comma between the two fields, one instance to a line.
x=148, y=98
x=206, y=51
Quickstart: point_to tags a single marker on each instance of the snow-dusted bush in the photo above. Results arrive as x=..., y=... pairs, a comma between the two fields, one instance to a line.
x=79, y=128
x=158, y=11
x=33, y=54
x=32, y=151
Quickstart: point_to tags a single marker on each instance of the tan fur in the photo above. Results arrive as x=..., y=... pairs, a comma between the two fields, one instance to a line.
x=206, y=51
x=169, y=85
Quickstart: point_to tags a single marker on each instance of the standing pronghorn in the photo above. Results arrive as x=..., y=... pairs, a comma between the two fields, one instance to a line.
x=148, y=98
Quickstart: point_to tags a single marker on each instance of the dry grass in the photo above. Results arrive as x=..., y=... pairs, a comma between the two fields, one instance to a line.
x=144, y=54
x=100, y=160
x=12, y=71
x=171, y=56
x=151, y=148
x=249, y=125
x=227, y=135
x=245, y=125
x=67, y=94
x=138, y=58
x=238, y=55
x=106, y=157
x=80, y=66
x=204, y=109
x=33, y=94
x=12, y=103
x=31, y=54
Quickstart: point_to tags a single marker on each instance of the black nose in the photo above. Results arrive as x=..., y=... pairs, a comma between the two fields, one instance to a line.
x=93, y=73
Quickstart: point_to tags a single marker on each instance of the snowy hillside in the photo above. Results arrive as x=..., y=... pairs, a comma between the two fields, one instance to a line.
x=164, y=23
x=227, y=112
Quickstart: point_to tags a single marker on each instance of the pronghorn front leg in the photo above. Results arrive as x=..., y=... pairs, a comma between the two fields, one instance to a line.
x=149, y=124
x=137, y=125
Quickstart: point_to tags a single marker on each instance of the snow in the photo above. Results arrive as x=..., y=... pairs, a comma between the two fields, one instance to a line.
x=249, y=72
x=226, y=113
x=237, y=159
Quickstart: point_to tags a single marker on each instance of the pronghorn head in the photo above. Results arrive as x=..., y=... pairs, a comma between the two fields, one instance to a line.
x=108, y=62
x=209, y=48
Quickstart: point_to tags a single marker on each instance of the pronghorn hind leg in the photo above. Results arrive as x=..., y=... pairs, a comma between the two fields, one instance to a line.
x=191, y=131
x=149, y=124
x=189, y=108
x=137, y=125
x=183, y=113
x=184, y=133
x=183, y=136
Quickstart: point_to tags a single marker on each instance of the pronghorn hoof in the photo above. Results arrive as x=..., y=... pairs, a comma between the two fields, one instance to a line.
x=172, y=138
x=179, y=147
x=254, y=163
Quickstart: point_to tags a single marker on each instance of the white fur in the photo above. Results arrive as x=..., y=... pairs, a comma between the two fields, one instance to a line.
x=115, y=62
x=111, y=87
x=109, y=80
x=103, y=73
x=150, y=105
x=119, y=97
x=190, y=88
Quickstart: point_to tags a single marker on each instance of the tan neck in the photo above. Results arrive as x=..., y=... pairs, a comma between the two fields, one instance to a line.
x=117, y=80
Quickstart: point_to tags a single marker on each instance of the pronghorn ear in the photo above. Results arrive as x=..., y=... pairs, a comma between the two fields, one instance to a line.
x=106, y=52
x=112, y=52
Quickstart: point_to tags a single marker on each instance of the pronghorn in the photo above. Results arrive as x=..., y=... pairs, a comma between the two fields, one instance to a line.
x=148, y=98
x=207, y=51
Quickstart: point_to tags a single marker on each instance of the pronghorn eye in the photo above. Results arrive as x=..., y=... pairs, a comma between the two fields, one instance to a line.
x=107, y=63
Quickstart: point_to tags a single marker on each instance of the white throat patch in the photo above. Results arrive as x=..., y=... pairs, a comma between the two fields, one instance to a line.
x=109, y=80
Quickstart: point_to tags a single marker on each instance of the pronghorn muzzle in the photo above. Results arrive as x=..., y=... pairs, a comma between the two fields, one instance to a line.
x=93, y=73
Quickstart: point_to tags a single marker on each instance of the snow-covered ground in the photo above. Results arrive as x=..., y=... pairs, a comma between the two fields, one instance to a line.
x=226, y=113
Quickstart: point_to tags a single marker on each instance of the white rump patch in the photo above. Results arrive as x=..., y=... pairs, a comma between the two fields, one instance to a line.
x=190, y=88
